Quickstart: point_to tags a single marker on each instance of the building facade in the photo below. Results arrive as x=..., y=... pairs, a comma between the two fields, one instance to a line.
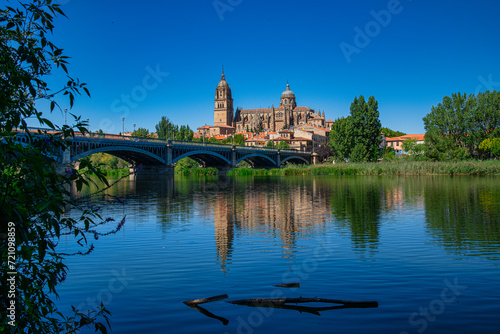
x=286, y=116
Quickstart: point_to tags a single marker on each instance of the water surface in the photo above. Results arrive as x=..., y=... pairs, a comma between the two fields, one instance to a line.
x=426, y=248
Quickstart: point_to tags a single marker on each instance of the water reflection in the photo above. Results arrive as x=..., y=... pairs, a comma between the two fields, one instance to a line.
x=463, y=214
x=356, y=204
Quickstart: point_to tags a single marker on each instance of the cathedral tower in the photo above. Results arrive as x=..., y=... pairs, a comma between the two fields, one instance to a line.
x=223, y=112
x=289, y=104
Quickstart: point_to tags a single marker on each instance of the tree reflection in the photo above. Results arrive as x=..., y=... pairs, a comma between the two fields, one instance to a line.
x=464, y=215
x=356, y=205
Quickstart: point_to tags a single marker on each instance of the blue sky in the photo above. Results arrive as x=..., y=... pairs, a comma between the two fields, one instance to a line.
x=148, y=59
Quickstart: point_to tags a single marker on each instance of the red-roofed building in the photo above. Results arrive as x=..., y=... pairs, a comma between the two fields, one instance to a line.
x=329, y=124
x=397, y=142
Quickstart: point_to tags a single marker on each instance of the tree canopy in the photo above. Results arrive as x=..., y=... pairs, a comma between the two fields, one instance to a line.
x=33, y=191
x=358, y=136
x=141, y=132
x=165, y=129
x=391, y=133
x=456, y=127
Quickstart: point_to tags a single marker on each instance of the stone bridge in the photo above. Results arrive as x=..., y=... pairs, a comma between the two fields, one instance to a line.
x=160, y=156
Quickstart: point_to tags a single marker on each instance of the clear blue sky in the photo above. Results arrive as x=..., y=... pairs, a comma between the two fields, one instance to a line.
x=409, y=60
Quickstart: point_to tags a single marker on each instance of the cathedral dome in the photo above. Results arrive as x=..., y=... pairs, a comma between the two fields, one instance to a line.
x=223, y=82
x=287, y=92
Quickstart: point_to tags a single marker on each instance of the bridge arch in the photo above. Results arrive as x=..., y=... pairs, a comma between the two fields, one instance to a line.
x=133, y=154
x=294, y=157
x=260, y=156
x=201, y=155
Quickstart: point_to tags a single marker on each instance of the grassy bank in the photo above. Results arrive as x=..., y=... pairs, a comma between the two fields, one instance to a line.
x=116, y=172
x=196, y=171
x=382, y=168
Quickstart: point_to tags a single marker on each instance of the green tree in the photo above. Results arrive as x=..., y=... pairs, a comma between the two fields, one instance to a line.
x=359, y=153
x=140, y=132
x=164, y=128
x=32, y=189
x=341, y=138
x=185, y=133
x=412, y=149
x=490, y=147
x=366, y=127
x=389, y=154
x=456, y=127
x=391, y=133
x=239, y=139
x=283, y=145
x=107, y=161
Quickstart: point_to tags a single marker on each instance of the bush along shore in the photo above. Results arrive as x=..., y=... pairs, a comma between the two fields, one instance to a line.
x=491, y=167
x=197, y=171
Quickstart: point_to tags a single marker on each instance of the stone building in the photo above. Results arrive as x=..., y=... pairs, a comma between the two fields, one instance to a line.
x=223, y=111
x=287, y=115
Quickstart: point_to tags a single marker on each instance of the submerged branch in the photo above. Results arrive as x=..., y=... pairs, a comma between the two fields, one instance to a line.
x=273, y=302
x=208, y=313
x=205, y=300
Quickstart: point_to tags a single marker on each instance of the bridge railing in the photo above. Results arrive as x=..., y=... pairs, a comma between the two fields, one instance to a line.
x=96, y=135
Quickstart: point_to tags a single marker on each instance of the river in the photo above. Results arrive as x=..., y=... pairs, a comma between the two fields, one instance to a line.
x=427, y=249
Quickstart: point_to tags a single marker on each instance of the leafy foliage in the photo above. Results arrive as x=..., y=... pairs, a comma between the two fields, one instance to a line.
x=359, y=133
x=391, y=133
x=341, y=139
x=457, y=126
x=141, y=132
x=366, y=127
x=165, y=129
x=33, y=191
x=359, y=153
x=107, y=161
x=490, y=147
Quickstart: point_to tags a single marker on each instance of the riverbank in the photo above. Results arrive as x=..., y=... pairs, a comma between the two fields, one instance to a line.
x=491, y=167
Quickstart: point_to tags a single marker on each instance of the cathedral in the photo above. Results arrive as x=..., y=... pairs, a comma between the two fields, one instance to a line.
x=286, y=116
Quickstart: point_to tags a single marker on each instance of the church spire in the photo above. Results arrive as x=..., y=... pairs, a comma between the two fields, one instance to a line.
x=223, y=77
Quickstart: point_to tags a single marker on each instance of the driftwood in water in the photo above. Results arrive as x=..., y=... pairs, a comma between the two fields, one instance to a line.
x=208, y=313
x=305, y=309
x=288, y=285
x=275, y=302
x=205, y=300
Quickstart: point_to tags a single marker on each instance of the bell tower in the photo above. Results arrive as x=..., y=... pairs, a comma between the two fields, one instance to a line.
x=223, y=111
